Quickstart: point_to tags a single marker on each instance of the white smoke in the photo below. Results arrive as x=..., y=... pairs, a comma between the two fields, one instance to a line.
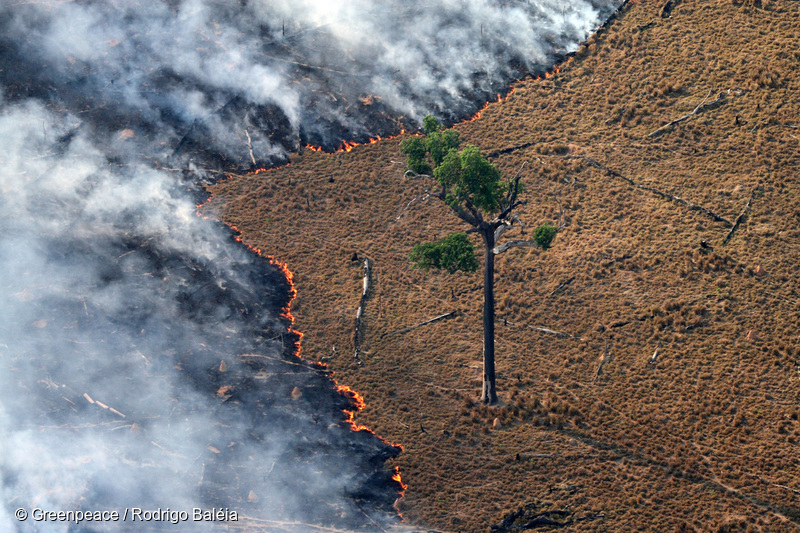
x=313, y=68
x=119, y=305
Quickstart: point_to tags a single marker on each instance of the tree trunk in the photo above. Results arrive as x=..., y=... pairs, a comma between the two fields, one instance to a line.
x=489, y=392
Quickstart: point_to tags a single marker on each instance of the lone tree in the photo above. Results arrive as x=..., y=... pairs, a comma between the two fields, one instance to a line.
x=472, y=188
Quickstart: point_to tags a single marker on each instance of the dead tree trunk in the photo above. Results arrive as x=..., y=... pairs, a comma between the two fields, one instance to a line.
x=489, y=391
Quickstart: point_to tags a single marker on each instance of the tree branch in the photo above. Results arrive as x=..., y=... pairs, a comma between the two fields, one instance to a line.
x=513, y=190
x=497, y=250
x=473, y=210
x=506, y=224
x=417, y=199
x=505, y=212
x=424, y=323
x=466, y=217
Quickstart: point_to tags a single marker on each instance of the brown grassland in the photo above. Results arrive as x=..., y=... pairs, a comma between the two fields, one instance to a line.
x=705, y=438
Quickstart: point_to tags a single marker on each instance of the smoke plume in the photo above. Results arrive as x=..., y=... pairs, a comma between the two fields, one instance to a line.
x=143, y=351
x=246, y=81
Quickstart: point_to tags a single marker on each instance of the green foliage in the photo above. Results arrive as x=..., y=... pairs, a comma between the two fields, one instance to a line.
x=420, y=152
x=469, y=176
x=416, y=151
x=544, y=235
x=441, y=142
x=452, y=253
x=430, y=124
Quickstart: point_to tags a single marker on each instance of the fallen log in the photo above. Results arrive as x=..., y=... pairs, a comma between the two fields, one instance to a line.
x=654, y=357
x=663, y=194
x=562, y=285
x=697, y=110
x=738, y=220
x=606, y=358
x=425, y=323
x=559, y=334
x=358, y=330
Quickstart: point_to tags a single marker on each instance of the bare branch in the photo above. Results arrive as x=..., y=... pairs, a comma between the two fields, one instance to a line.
x=506, y=224
x=513, y=190
x=424, y=323
x=561, y=222
x=606, y=359
x=738, y=219
x=654, y=357
x=505, y=212
x=417, y=199
x=497, y=250
x=358, y=332
x=460, y=212
x=702, y=105
x=409, y=173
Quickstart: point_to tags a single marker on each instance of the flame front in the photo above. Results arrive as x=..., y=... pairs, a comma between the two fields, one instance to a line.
x=397, y=478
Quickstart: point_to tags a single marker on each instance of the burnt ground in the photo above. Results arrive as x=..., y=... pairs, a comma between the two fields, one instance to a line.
x=282, y=428
x=673, y=402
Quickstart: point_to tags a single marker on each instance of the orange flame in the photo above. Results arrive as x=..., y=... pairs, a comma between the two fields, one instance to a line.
x=512, y=89
x=348, y=146
x=285, y=312
x=397, y=478
x=357, y=401
x=353, y=396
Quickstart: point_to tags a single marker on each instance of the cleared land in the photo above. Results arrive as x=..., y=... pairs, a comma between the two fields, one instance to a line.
x=702, y=435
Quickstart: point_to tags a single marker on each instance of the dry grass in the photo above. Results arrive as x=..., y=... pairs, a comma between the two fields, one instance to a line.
x=707, y=438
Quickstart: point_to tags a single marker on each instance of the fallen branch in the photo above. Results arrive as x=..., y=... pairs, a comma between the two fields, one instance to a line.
x=527, y=456
x=409, y=173
x=674, y=198
x=417, y=199
x=562, y=285
x=559, y=334
x=606, y=358
x=779, y=485
x=700, y=107
x=653, y=357
x=250, y=148
x=425, y=323
x=508, y=150
x=358, y=330
x=738, y=220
